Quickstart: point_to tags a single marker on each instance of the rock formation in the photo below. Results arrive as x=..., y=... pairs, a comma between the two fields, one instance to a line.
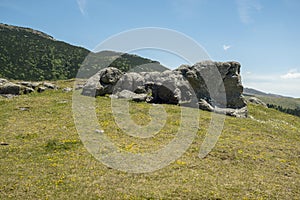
x=212, y=86
x=10, y=89
x=257, y=101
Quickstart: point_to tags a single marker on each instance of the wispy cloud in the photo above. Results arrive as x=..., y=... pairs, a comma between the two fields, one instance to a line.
x=226, y=47
x=82, y=6
x=292, y=74
x=247, y=8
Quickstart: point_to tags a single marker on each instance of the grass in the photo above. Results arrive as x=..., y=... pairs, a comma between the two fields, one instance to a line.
x=255, y=158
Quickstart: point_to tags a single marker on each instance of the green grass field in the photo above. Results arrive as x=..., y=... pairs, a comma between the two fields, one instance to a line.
x=42, y=156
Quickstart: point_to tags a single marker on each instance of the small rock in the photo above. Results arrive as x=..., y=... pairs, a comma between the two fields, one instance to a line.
x=41, y=89
x=9, y=96
x=79, y=86
x=63, y=102
x=32, y=85
x=27, y=90
x=50, y=86
x=4, y=144
x=67, y=89
x=24, y=108
x=99, y=131
x=126, y=94
x=3, y=81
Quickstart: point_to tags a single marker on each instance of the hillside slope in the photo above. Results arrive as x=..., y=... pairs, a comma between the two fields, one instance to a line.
x=284, y=104
x=42, y=156
x=27, y=54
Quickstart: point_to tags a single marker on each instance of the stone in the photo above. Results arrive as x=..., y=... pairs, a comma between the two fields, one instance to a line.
x=41, y=89
x=50, y=86
x=67, y=89
x=211, y=86
x=10, y=88
x=126, y=94
x=32, y=85
x=3, y=81
x=204, y=105
x=8, y=96
x=27, y=90
x=24, y=108
x=102, y=82
x=4, y=143
x=257, y=101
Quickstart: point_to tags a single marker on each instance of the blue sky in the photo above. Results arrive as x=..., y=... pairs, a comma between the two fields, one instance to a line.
x=263, y=35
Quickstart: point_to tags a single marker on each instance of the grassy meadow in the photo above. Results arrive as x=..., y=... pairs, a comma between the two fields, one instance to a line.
x=42, y=156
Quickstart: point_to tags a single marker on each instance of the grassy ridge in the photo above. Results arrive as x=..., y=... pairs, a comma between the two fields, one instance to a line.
x=255, y=158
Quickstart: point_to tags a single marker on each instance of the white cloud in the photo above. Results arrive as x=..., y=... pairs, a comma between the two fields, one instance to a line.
x=292, y=74
x=226, y=47
x=272, y=83
x=82, y=6
x=246, y=8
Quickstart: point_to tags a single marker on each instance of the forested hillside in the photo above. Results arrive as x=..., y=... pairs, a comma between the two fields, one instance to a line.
x=27, y=54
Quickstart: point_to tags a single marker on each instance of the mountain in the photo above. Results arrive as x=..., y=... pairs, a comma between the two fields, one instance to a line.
x=251, y=91
x=282, y=103
x=123, y=61
x=27, y=54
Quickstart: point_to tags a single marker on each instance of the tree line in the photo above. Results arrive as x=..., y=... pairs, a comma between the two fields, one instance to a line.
x=295, y=111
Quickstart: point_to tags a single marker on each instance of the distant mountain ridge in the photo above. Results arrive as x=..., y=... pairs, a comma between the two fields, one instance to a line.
x=284, y=104
x=251, y=91
x=28, y=54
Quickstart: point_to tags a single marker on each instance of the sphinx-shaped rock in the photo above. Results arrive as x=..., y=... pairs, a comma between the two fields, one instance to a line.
x=211, y=86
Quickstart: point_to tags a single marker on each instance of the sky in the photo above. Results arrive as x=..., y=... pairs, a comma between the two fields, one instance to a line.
x=263, y=35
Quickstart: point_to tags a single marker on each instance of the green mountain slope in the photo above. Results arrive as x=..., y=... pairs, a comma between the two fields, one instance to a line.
x=284, y=104
x=123, y=61
x=42, y=156
x=27, y=54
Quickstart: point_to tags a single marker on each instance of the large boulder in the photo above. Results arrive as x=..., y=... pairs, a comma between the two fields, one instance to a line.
x=102, y=82
x=10, y=88
x=165, y=87
x=203, y=73
x=212, y=86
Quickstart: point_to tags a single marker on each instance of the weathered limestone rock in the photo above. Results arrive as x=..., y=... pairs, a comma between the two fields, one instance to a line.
x=10, y=88
x=257, y=101
x=32, y=85
x=126, y=94
x=50, y=86
x=41, y=89
x=102, y=82
x=212, y=86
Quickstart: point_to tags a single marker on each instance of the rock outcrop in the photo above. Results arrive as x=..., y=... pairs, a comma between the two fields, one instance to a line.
x=212, y=86
x=10, y=89
x=257, y=101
